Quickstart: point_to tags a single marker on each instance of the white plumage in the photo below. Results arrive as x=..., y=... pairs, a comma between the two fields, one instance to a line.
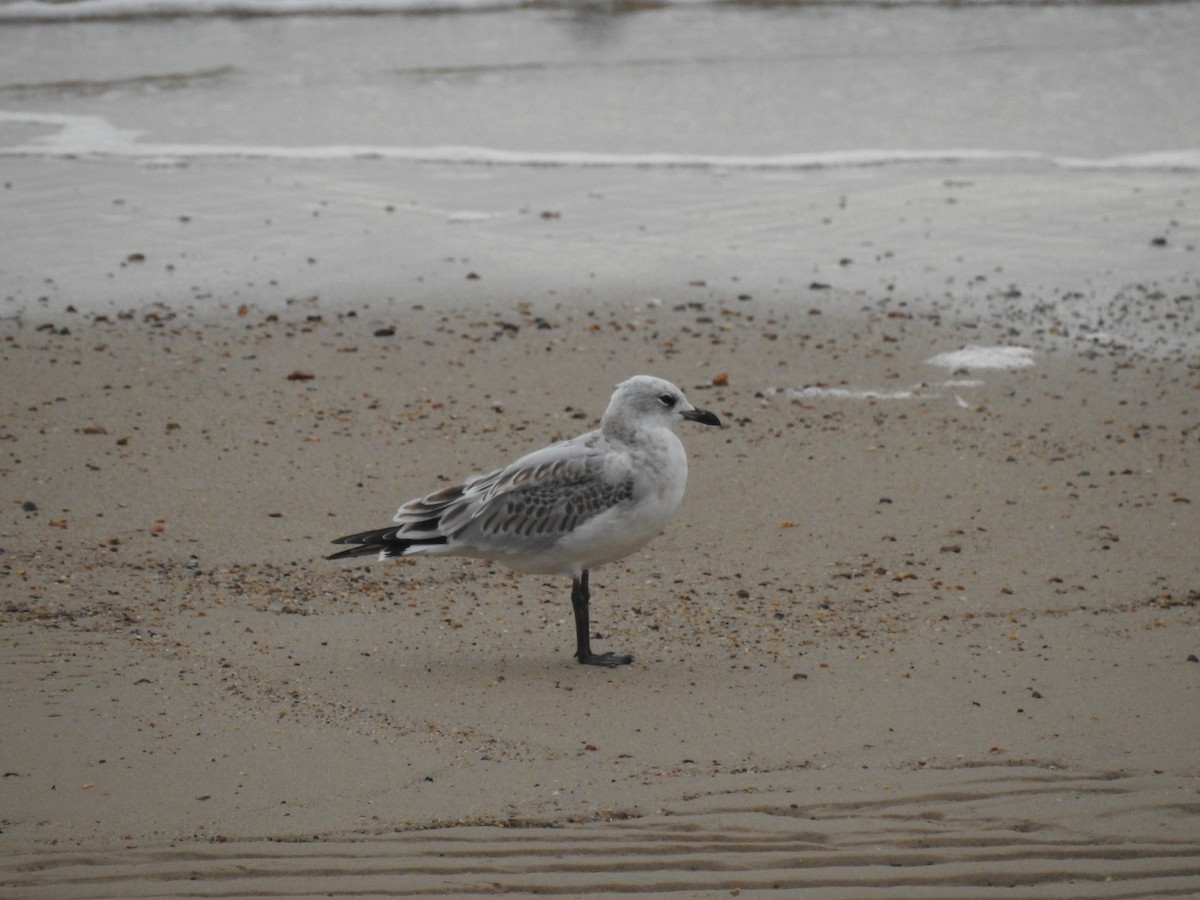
x=564, y=509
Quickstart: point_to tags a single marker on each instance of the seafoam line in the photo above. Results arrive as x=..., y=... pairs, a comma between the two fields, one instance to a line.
x=825, y=392
x=975, y=356
x=49, y=11
x=95, y=136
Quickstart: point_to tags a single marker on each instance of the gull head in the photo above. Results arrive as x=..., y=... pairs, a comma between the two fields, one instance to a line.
x=646, y=401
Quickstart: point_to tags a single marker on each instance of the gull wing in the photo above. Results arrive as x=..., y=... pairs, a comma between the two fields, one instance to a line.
x=544, y=494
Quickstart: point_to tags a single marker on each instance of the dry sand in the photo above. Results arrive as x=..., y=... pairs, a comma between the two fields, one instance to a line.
x=940, y=646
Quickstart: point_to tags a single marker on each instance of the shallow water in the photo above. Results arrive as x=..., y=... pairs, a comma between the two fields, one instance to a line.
x=1003, y=156
x=698, y=80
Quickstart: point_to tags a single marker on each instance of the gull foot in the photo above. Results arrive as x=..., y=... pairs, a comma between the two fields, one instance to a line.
x=610, y=660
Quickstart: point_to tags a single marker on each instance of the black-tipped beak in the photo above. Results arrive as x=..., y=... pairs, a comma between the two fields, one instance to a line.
x=703, y=416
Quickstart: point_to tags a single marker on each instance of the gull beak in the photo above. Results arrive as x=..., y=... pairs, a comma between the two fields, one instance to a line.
x=703, y=416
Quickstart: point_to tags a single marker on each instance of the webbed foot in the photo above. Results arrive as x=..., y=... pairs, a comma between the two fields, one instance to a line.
x=609, y=660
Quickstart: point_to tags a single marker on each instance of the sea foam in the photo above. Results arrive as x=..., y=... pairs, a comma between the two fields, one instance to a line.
x=95, y=136
x=974, y=356
x=43, y=11
x=51, y=11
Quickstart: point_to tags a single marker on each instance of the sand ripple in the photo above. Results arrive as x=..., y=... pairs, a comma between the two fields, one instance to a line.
x=968, y=834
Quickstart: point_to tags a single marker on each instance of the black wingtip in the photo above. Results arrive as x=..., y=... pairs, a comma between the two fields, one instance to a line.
x=383, y=540
x=362, y=550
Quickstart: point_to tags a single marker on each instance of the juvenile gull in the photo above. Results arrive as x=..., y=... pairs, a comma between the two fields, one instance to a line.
x=564, y=509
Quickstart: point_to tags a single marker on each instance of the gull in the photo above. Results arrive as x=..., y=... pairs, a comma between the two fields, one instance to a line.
x=564, y=509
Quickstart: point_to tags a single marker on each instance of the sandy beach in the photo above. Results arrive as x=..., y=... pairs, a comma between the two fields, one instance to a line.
x=923, y=627
x=936, y=643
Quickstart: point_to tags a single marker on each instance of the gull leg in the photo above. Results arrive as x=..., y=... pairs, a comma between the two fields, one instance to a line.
x=583, y=650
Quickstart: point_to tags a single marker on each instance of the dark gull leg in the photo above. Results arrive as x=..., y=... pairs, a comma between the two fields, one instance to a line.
x=583, y=650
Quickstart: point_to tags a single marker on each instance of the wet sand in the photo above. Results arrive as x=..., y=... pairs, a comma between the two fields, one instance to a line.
x=935, y=646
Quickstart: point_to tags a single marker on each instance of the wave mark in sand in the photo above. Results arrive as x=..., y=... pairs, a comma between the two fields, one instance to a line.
x=970, y=832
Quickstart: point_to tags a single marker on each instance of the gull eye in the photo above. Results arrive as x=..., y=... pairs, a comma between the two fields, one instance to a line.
x=667, y=400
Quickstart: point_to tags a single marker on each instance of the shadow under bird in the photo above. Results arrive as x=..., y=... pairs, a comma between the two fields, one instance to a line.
x=564, y=509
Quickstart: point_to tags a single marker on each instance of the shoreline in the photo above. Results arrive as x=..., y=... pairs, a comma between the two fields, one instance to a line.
x=944, y=243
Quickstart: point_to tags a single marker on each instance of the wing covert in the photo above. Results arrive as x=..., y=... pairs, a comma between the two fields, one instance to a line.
x=550, y=509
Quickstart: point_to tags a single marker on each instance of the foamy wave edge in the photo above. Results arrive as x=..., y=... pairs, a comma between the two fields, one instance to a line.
x=94, y=137
x=51, y=11
x=43, y=11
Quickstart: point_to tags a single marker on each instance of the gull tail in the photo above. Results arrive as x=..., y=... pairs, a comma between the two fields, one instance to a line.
x=383, y=542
